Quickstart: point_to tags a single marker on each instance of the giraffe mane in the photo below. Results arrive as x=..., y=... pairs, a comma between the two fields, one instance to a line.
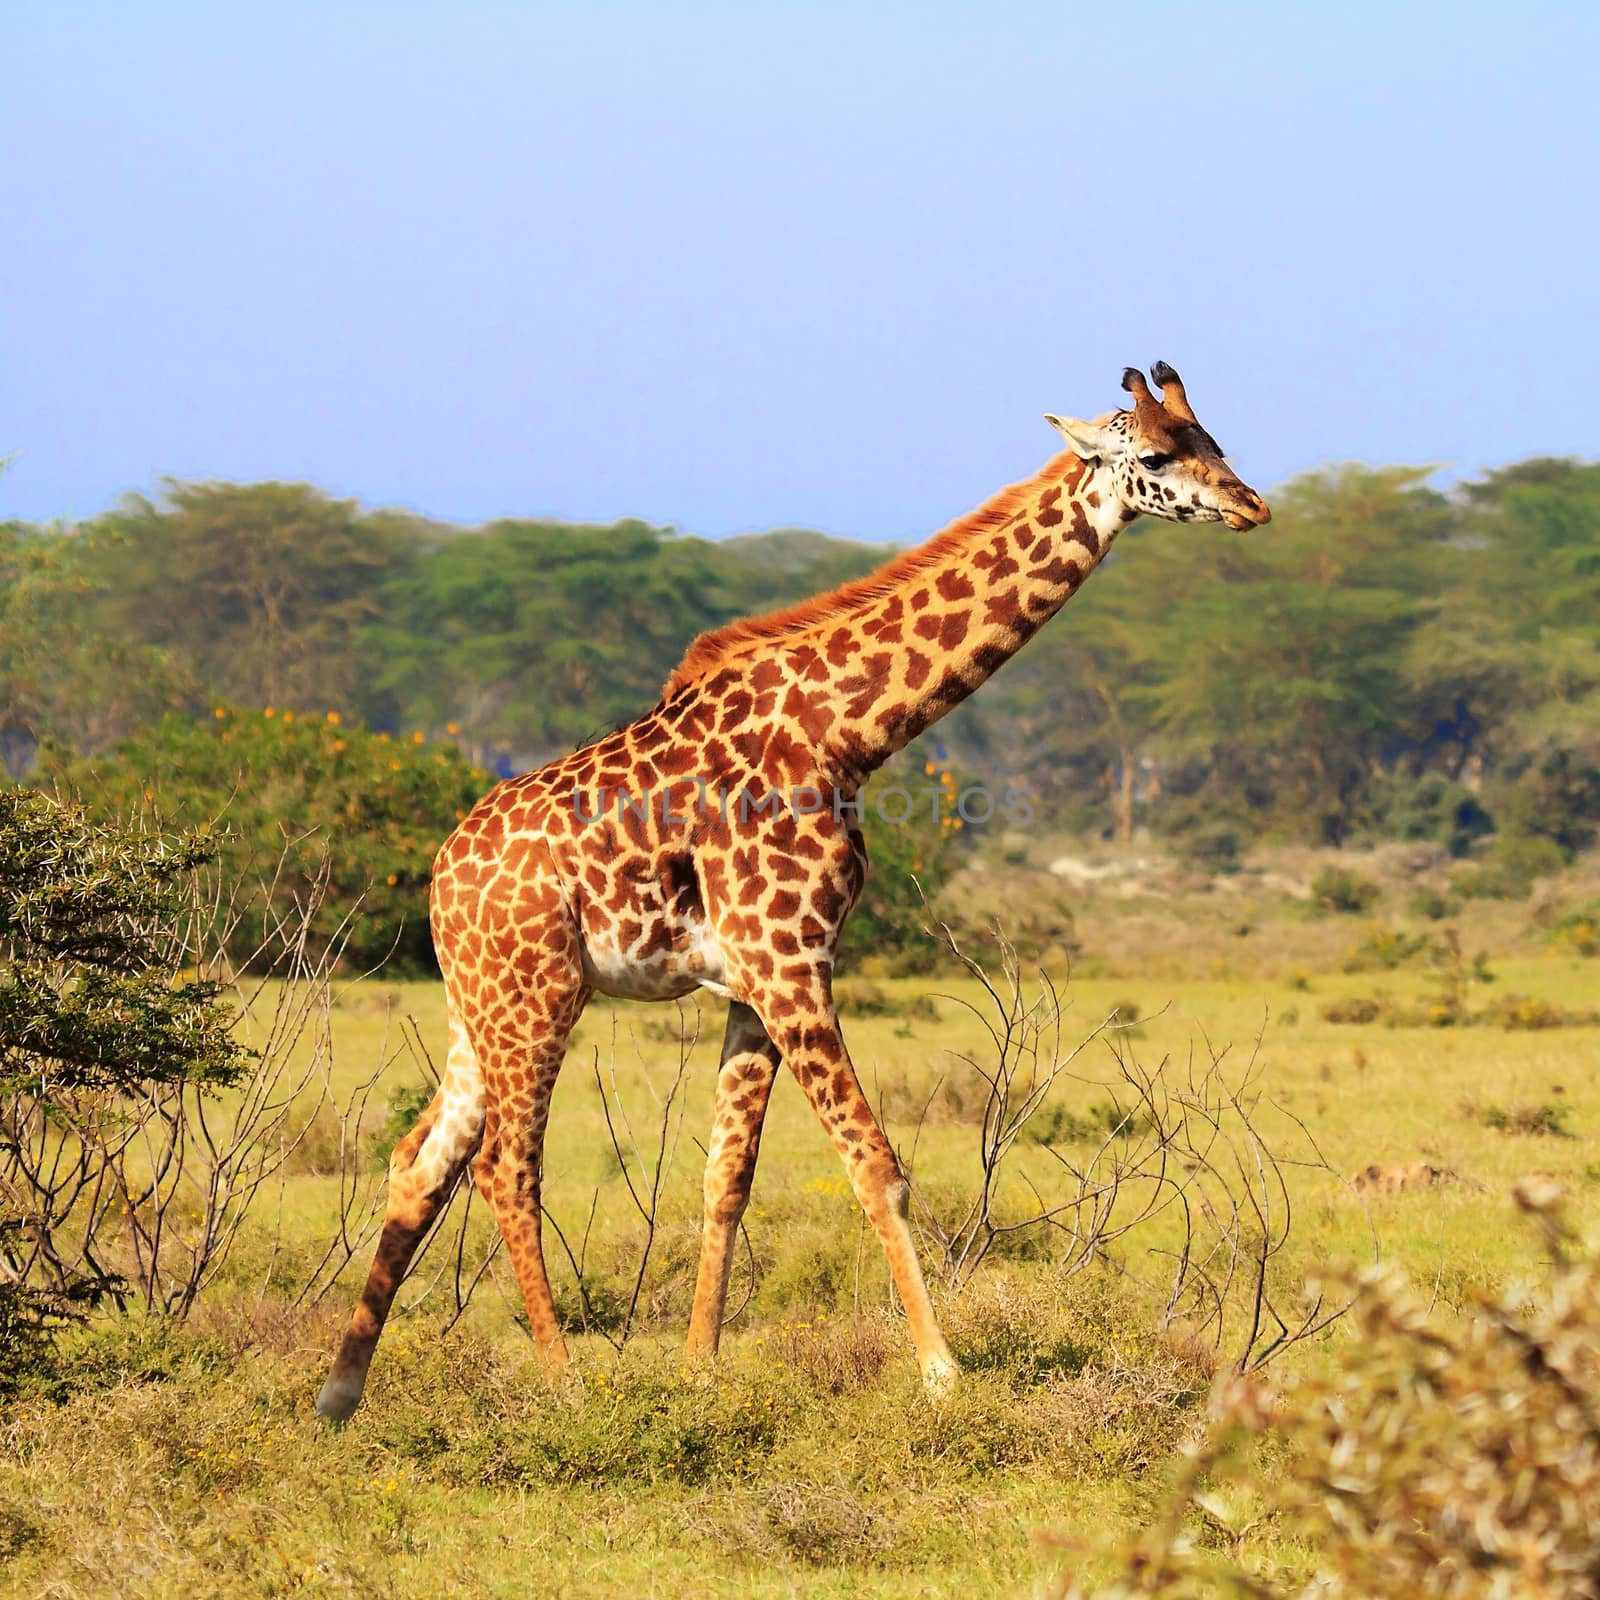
x=714, y=647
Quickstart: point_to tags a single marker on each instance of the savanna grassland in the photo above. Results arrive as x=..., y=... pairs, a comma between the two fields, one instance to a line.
x=169, y=1460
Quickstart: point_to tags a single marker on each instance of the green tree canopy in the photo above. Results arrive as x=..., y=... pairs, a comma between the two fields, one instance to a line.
x=259, y=591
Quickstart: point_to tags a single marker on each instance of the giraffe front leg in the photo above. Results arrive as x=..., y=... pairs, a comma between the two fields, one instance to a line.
x=744, y=1083
x=808, y=1035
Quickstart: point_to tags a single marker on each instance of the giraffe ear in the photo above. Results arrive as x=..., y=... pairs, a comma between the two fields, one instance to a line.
x=1088, y=439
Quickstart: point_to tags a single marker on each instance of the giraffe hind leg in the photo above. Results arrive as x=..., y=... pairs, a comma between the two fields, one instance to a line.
x=423, y=1171
x=744, y=1083
x=522, y=1064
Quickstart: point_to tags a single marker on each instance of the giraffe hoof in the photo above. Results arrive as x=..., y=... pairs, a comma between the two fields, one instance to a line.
x=337, y=1401
x=940, y=1375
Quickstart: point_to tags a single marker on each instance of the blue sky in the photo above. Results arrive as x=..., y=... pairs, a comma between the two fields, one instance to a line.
x=735, y=267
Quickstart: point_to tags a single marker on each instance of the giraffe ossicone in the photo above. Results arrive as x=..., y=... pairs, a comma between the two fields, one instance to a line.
x=537, y=906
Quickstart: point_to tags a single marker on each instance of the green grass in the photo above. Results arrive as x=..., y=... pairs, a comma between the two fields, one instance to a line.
x=188, y=1462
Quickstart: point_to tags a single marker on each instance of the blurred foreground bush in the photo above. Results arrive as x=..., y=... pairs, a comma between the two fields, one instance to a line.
x=1456, y=1457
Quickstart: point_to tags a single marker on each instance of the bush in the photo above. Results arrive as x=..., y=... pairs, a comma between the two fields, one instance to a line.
x=1216, y=848
x=1579, y=931
x=1545, y=1121
x=1101, y=1120
x=1385, y=947
x=910, y=862
x=294, y=797
x=1432, y=906
x=1510, y=869
x=863, y=997
x=1359, y=1008
x=1340, y=889
x=406, y=1104
x=94, y=925
x=94, y=920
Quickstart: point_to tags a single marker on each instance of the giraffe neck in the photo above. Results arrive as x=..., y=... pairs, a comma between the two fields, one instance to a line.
x=902, y=659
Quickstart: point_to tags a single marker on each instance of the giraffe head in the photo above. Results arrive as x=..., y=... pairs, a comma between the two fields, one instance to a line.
x=1161, y=461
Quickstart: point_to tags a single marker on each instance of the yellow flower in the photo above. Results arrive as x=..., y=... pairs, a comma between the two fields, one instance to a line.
x=461, y=815
x=383, y=738
x=452, y=728
x=394, y=766
x=418, y=737
x=929, y=768
x=334, y=718
x=288, y=716
x=220, y=713
x=269, y=712
x=338, y=745
x=393, y=880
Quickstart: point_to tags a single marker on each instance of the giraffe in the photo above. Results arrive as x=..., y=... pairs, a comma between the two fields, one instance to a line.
x=715, y=843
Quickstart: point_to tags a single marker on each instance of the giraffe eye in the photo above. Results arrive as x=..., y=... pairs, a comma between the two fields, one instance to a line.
x=1154, y=463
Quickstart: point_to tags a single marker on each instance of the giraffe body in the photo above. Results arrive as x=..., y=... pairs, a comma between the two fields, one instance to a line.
x=715, y=843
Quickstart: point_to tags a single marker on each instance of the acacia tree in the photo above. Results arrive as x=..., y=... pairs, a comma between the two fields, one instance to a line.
x=536, y=635
x=1288, y=660
x=64, y=676
x=260, y=590
x=1073, y=717
x=1510, y=665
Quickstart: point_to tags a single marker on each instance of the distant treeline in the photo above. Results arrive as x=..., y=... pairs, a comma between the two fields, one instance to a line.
x=1383, y=660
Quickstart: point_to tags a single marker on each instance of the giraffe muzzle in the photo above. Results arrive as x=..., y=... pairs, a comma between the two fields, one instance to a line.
x=1249, y=510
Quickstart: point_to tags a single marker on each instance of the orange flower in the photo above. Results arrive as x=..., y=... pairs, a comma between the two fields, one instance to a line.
x=338, y=745
x=418, y=737
x=220, y=713
x=394, y=766
x=269, y=712
x=452, y=728
x=334, y=718
x=393, y=880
